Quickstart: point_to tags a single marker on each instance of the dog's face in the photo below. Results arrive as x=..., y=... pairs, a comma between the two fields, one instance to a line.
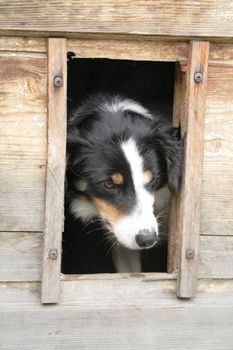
x=119, y=156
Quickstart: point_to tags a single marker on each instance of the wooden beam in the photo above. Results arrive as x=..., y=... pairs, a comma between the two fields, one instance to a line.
x=123, y=49
x=162, y=17
x=189, y=223
x=54, y=211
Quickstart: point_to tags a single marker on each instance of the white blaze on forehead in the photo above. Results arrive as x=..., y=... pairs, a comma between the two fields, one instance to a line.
x=142, y=215
x=135, y=161
x=118, y=104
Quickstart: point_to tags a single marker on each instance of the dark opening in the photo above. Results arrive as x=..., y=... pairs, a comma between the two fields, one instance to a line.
x=150, y=83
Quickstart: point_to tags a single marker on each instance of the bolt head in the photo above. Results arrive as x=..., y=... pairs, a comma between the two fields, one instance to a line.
x=189, y=254
x=198, y=77
x=53, y=254
x=58, y=81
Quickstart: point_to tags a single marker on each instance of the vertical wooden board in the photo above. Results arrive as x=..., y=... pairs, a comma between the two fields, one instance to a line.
x=192, y=174
x=23, y=98
x=178, y=121
x=217, y=191
x=54, y=213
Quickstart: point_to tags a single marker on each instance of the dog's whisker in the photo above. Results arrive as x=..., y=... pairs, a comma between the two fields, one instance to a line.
x=97, y=220
x=162, y=212
x=111, y=247
x=94, y=230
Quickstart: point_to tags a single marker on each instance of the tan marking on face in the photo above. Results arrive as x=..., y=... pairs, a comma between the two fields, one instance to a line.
x=108, y=212
x=117, y=179
x=81, y=185
x=148, y=176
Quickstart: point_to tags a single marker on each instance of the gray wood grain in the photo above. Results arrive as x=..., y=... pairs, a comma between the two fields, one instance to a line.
x=161, y=17
x=56, y=164
x=127, y=314
x=189, y=219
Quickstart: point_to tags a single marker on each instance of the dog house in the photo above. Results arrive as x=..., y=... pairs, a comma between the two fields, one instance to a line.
x=191, y=305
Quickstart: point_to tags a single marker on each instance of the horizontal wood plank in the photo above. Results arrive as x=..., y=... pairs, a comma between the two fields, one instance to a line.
x=22, y=197
x=129, y=49
x=216, y=257
x=22, y=44
x=23, y=141
x=20, y=256
x=120, y=315
x=21, y=259
x=162, y=17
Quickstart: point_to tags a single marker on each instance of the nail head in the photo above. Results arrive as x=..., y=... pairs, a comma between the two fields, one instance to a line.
x=198, y=77
x=58, y=81
x=189, y=254
x=53, y=254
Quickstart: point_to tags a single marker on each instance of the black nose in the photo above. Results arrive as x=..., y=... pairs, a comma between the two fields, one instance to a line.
x=145, y=238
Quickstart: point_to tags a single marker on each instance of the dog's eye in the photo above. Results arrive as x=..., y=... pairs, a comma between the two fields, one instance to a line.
x=109, y=185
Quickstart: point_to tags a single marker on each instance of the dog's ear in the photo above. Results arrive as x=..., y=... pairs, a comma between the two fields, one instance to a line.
x=80, y=120
x=170, y=147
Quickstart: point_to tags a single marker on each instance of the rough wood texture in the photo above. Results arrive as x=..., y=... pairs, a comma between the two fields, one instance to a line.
x=192, y=175
x=20, y=256
x=121, y=315
x=22, y=44
x=129, y=49
x=217, y=192
x=23, y=141
x=162, y=17
x=54, y=202
x=21, y=259
x=216, y=256
x=178, y=121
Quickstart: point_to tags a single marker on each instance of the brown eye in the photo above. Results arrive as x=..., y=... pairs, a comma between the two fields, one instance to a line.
x=109, y=185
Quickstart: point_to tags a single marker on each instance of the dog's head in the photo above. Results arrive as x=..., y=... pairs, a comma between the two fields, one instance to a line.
x=120, y=155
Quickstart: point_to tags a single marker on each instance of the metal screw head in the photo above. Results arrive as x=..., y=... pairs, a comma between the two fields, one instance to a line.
x=58, y=81
x=189, y=254
x=198, y=77
x=53, y=254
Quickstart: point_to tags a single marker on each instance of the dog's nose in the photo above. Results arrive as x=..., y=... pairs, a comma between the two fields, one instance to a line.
x=145, y=238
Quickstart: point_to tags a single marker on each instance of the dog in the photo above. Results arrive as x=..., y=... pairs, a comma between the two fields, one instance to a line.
x=124, y=161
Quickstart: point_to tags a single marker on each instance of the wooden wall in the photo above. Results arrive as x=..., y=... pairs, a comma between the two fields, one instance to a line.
x=23, y=108
x=128, y=312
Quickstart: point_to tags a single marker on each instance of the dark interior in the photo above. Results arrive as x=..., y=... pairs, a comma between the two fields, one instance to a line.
x=152, y=84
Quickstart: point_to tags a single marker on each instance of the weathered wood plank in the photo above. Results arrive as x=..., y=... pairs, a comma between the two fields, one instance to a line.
x=54, y=202
x=163, y=17
x=20, y=256
x=192, y=175
x=216, y=256
x=217, y=189
x=129, y=49
x=221, y=52
x=23, y=96
x=178, y=121
x=22, y=197
x=123, y=315
x=21, y=259
x=22, y=44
